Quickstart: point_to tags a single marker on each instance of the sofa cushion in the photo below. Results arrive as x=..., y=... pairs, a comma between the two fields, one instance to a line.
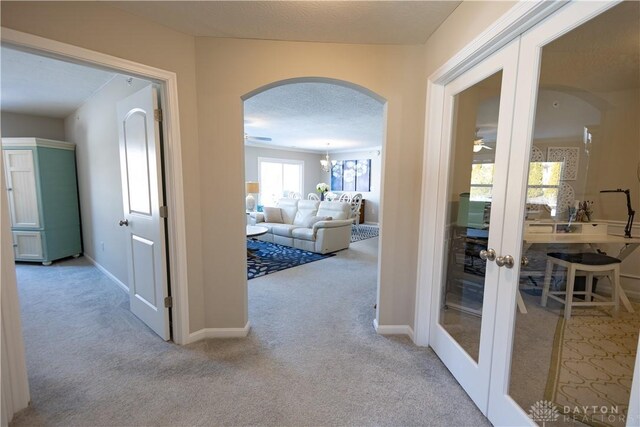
x=336, y=210
x=283, y=229
x=304, y=234
x=310, y=221
x=306, y=209
x=273, y=215
x=289, y=207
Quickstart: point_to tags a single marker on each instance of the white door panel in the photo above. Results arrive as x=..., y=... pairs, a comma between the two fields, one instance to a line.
x=464, y=306
x=142, y=198
x=21, y=186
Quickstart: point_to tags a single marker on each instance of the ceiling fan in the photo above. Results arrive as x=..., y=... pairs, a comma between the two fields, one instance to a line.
x=478, y=143
x=248, y=137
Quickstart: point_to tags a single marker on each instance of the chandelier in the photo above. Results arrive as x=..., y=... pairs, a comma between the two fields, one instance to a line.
x=325, y=164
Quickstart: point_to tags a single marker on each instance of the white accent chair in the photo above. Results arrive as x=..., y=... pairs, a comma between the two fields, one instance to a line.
x=294, y=195
x=313, y=196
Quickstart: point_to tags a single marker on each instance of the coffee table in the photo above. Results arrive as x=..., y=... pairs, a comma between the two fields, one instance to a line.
x=254, y=231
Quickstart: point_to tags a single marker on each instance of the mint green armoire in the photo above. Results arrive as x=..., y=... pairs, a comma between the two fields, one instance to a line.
x=42, y=190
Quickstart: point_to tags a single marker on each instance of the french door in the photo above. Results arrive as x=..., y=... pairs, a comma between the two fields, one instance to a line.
x=477, y=123
x=562, y=141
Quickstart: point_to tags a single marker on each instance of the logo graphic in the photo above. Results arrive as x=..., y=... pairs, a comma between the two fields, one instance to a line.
x=544, y=411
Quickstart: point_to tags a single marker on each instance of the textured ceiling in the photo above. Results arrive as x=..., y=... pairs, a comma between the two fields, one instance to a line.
x=370, y=22
x=46, y=87
x=601, y=55
x=309, y=116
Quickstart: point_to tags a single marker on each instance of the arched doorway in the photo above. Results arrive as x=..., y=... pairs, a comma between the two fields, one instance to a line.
x=301, y=134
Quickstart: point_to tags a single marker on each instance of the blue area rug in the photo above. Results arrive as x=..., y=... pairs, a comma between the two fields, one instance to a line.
x=362, y=232
x=271, y=257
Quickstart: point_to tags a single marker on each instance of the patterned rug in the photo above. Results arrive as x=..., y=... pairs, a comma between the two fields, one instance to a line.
x=270, y=257
x=362, y=232
x=592, y=366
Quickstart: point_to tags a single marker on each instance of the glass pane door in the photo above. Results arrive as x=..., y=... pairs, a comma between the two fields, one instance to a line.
x=574, y=349
x=476, y=127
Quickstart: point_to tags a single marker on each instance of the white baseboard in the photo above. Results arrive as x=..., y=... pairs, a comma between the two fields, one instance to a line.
x=393, y=329
x=107, y=273
x=219, y=333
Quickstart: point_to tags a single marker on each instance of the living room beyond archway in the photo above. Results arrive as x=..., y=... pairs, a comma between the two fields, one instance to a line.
x=313, y=168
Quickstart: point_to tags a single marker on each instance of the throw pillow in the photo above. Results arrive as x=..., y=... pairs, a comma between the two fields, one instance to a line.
x=273, y=215
x=312, y=220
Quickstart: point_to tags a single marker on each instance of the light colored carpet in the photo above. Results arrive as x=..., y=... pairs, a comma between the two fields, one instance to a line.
x=312, y=357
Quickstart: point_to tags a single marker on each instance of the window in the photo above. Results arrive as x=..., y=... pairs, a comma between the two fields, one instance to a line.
x=543, y=184
x=542, y=188
x=279, y=177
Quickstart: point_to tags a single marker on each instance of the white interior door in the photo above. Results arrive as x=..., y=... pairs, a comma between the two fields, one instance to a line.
x=140, y=162
x=472, y=188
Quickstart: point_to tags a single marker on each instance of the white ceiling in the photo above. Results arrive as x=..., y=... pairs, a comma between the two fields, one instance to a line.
x=371, y=22
x=46, y=87
x=315, y=116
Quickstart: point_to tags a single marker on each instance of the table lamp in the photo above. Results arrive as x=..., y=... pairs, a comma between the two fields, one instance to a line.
x=630, y=211
x=251, y=189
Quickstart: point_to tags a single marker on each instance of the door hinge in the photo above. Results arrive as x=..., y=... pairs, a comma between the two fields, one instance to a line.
x=168, y=302
x=163, y=212
x=157, y=114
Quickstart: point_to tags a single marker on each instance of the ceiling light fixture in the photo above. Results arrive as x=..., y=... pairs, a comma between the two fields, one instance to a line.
x=478, y=143
x=325, y=164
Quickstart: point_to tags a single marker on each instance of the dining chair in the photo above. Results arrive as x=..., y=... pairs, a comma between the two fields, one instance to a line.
x=345, y=197
x=356, y=203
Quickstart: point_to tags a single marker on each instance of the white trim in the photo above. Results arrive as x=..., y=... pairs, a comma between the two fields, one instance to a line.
x=107, y=273
x=37, y=142
x=219, y=333
x=514, y=22
x=393, y=329
x=173, y=153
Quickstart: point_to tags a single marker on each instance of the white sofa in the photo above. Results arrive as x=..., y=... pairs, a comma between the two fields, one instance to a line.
x=320, y=227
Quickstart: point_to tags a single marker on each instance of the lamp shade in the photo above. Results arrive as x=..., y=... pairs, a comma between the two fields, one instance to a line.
x=252, y=187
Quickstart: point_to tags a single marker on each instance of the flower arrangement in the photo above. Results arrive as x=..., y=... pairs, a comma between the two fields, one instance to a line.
x=322, y=188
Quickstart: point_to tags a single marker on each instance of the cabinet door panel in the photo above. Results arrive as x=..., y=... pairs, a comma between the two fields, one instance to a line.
x=21, y=185
x=27, y=245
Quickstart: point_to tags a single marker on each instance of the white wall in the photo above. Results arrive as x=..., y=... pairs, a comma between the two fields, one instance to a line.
x=226, y=73
x=24, y=125
x=93, y=128
x=312, y=172
x=372, y=197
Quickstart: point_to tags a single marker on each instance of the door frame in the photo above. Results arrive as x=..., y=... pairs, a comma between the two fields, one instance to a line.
x=174, y=188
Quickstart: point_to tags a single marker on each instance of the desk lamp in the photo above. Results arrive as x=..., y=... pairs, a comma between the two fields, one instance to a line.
x=630, y=211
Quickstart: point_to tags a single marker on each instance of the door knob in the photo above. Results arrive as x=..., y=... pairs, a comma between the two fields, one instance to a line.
x=524, y=261
x=488, y=254
x=505, y=261
x=124, y=222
